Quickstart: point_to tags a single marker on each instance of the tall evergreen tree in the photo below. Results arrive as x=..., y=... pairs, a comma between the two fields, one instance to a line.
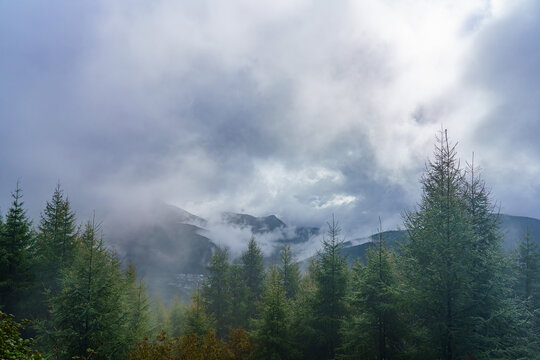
x=216, y=291
x=253, y=267
x=289, y=272
x=272, y=330
x=197, y=322
x=239, y=296
x=16, y=241
x=177, y=317
x=439, y=252
x=489, y=284
x=56, y=239
x=304, y=335
x=374, y=330
x=528, y=270
x=88, y=313
x=135, y=308
x=330, y=277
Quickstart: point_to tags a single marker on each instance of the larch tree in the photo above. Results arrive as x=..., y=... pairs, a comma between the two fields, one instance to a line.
x=439, y=252
x=528, y=270
x=216, y=291
x=135, y=307
x=289, y=272
x=253, y=274
x=88, y=314
x=56, y=239
x=272, y=329
x=197, y=322
x=330, y=276
x=239, y=296
x=489, y=285
x=375, y=327
x=16, y=244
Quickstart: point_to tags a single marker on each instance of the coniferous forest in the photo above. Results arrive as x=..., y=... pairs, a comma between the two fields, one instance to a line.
x=449, y=291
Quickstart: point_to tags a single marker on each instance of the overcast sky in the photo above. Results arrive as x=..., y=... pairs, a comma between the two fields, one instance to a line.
x=294, y=108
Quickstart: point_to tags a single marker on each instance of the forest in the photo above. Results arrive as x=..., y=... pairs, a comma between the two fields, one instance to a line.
x=449, y=291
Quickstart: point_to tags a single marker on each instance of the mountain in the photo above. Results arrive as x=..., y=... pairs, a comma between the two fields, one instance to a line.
x=266, y=224
x=171, y=247
x=168, y=247
x=513, y=229
x=258, y=225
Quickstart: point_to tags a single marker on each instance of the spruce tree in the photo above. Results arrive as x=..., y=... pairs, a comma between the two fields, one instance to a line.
x=272, y=329
x=216, y=291
x=197, y=322
x=56, y=240
x=88, y=313
x=177, y=317
x=330, y=277
x=253, y=268
x=528, y=270
x=489, y=284
x=16, y=244
x=289, y=272
x=239, y=296
x=304, y=334
x=375, y=329
x=135, y=308
x=439, y=253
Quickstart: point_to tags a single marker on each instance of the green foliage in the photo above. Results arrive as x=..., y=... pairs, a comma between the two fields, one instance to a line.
x=305, y=337
x=197, y=321
x=216, y=291
x=56, y=240
x=272, y=332
x=452, y=259
x=12, y=345
x=239, y=296
x=289, y=272
x=177, y=317
x=330, y=276
x=135, y=308
x=88, y=314
x=375, y=328
x=528, y=271
x=16, y=240
x=253, y=275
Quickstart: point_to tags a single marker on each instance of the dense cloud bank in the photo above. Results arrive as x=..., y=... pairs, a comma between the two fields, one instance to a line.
x=298, y=109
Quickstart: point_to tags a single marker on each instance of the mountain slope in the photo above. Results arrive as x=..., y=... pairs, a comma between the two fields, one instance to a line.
x=513, y=228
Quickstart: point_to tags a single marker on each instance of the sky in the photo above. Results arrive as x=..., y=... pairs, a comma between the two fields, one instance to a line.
x=295, y=108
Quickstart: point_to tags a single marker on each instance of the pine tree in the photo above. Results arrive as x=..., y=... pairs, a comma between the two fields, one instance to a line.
x=438, y=255
x=135, y=307
x=239, y=296
x=159, y=317
x=289, y=272
x=374, y=330
x=330, y=276
x=197, y=321
x=216, y=291
x=56, y=240
x=88, y=314
x=272, y=330
x=16, y=241
x=303, y=321
x=177, y=317
x=528, y=270
x=253, y=266
x=489, y=284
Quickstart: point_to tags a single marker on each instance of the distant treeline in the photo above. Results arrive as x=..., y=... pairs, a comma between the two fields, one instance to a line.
x=448, y=292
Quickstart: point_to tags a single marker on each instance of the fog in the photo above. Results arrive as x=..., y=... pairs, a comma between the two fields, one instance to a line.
x=295, y=108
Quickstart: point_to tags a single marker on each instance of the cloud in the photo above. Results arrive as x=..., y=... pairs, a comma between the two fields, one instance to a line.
x=297, y=108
